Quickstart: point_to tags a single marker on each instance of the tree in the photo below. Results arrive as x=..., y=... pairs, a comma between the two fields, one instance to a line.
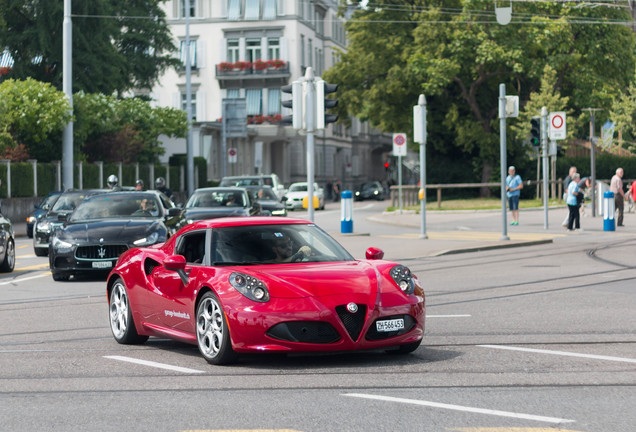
x=111, y=130
x=623, y=112
x=32, y=117
x=117, y=44
x=457, y=55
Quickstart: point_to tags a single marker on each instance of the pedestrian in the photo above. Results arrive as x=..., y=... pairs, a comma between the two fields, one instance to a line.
x=336, y=191
x=583, y=184
x=572, y=202
x=514, y=184
x=139, y=185
x=567, y=180
x=616, y=186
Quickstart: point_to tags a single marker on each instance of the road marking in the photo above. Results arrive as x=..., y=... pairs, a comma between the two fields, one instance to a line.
x=32, y=267
x=561, y=353
x=26, y=256
x=448, y=316
x=476, y=235
x=23, y=246
x=462, y=408
x=15, y=281
x=507, y=429
x=154, y=364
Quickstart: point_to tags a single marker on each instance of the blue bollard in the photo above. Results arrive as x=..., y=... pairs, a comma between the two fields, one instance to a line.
x=346, y=212
x=608, y=211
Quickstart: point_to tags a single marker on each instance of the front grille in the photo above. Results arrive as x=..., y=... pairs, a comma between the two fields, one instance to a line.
x=353, y=322
x=99, y=252
x=373, y=334
x=305, y=332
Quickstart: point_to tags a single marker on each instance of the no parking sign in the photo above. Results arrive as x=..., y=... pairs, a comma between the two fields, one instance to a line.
x=399, y=144
x=556, y=126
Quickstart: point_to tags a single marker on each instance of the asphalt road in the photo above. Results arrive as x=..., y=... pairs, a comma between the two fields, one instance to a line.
x=535, y=338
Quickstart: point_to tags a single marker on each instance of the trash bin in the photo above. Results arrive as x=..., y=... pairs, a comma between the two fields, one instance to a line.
x=608, y=211
x=346, y=212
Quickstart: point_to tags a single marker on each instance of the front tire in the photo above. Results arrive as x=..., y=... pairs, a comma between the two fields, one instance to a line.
x=121, y=320
x=213, y=333
x=60, y=276
x=8, y=264
x=407, y=348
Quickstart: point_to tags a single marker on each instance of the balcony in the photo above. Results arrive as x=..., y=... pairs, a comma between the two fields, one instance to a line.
x=261, y=73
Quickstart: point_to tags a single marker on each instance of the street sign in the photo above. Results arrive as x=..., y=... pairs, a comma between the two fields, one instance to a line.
x=399, y=144
x=232, y=155
x=557, y=129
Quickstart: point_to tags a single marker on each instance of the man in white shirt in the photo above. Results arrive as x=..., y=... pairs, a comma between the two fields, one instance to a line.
x=616, y=186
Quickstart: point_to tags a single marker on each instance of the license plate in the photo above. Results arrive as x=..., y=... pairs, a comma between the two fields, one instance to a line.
x=102, y=264
x=389, y=325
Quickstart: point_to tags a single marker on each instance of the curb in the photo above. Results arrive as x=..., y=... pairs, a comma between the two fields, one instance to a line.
x=491, y=247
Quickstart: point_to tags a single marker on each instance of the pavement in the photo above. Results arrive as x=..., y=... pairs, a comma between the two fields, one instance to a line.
x=453, y=232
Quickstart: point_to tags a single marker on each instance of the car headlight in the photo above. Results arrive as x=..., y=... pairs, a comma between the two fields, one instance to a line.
x=151, y=239
x=189, y=221
x=403, y=278
x=61, y=246
x=278, y=212
x=31, y=219
x=250, y=287
x=357, y=193
x=43, y=227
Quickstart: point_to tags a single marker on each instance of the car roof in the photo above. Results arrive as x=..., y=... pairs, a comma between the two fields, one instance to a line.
x=221, y=188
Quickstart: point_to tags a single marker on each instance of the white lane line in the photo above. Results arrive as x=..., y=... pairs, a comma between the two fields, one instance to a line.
x=154, y=364
x=448, y=316
x=15, y=281
x=561, y=353
x=462, y=408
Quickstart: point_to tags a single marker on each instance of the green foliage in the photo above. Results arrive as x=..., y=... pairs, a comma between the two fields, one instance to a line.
x=118, y=45
x=34, y=114
x=456, y=54
x=47, y=179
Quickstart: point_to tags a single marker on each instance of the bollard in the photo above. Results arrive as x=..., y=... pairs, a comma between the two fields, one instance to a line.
x=608, y=211
x=346, y=212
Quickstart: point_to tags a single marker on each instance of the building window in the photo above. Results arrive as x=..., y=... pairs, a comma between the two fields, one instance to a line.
x=184, y=5
x=273, y=48
x=234, y=10
x=253, y=49
x=254, y=101
x=193, y=53
x=302, y=51
x=310, y=50
x=193, y=103
x=232, y=50
x=233, y=93
x=252, y=9
x=273, y=102
x=269, y=9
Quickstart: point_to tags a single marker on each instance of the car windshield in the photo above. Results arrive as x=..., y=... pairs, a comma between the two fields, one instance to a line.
x=217, y=198
x=274, y=244
x=68, y=201
x=117, y=206
x=298, y=188
x=263, y=194
x=49, y=201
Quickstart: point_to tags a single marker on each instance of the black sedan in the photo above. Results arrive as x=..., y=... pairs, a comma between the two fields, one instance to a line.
x=102, y=227
x=267, y=199
x=7, y=245
x=369, y=190
x=217, y=202
x=40, y=210
x=48, y=223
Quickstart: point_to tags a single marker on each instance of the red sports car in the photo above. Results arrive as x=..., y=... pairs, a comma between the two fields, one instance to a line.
x=263, y=284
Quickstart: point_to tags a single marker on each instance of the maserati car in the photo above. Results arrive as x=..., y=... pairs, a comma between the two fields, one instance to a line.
x=268, y=200
x=217, y=202
x=263, y=284
x=40, y=210
x=298, y=191
x=102, y=227
x=47, y=224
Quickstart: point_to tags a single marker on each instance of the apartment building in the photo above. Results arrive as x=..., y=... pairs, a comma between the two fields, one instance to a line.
x=248, y=49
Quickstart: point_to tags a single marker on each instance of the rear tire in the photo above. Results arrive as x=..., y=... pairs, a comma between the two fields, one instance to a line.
x=120, y=316
x=8, y=264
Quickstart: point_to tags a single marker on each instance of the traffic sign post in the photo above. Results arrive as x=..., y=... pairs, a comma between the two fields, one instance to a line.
x=557, y=129
x=232, y=155
x=399, y=150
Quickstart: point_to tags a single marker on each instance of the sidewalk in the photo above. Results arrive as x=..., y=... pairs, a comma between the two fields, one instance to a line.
x=452, y=232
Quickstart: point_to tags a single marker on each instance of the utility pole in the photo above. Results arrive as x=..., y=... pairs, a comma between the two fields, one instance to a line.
x=544, y=151
x=188, y=69
x=419, y=135
x=592, y=157
x=67, y=85
x=503, y=159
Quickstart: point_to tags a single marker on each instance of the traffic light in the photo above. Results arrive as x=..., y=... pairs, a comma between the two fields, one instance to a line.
x=322, y=118
x=295, y=104
x=535, y=131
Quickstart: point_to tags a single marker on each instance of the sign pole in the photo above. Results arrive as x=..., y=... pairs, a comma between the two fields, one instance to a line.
x=544, y=149
x=503, y=159
x=419, y=134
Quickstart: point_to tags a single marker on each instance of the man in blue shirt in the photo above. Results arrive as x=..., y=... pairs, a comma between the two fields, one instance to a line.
x=513, y=187
x=572, y=202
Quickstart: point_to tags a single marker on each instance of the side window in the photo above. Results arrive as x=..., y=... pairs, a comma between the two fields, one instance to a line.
x=192, y=247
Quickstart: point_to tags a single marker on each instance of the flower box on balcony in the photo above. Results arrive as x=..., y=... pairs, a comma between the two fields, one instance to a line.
x=277, y=64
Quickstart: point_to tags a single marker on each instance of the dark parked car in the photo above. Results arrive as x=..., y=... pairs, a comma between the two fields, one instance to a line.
x=104, y=226
x=217, y=202
x=40, y=210
x=267, y=199
x=369, y=190
x=7, y=245
x=48, y=223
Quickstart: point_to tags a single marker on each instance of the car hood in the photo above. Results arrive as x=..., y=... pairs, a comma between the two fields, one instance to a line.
x=320, y=279
x=120, y=230
x=201, y=213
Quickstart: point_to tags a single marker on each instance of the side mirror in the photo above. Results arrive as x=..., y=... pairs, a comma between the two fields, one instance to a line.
x=284, y=199
x=177, y=263
x=174, y=211
x=374, y=253
x=62, y=217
